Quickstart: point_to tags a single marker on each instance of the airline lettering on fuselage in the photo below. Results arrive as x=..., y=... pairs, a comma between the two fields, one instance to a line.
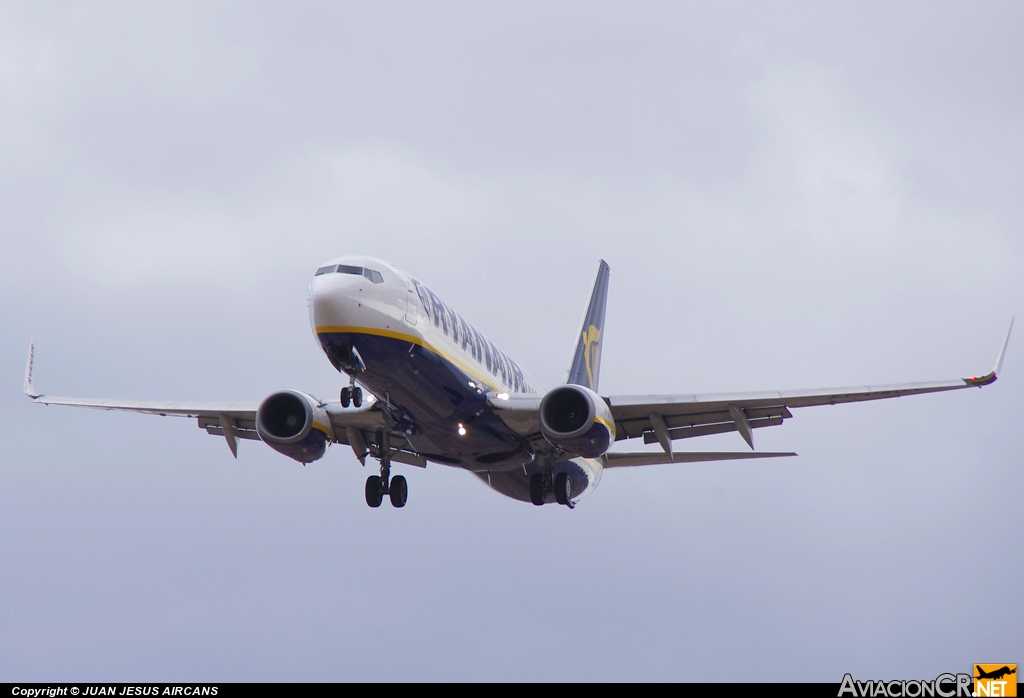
x=455, y=327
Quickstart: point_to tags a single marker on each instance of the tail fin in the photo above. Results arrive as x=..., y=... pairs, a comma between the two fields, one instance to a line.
x=586, y=361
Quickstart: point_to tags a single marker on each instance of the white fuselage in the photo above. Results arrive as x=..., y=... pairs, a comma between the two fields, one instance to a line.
x=428, y=363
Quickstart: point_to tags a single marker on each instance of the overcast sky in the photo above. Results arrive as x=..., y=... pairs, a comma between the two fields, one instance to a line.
x=790, y=195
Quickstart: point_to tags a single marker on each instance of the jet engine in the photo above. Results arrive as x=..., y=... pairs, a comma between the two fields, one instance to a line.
x=294, y=424
x=577, y=420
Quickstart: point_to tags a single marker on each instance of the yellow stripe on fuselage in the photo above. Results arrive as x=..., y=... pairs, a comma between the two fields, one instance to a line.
x=344, y=329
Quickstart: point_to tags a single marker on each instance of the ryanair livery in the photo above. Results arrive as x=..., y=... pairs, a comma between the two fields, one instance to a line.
x=424, y=385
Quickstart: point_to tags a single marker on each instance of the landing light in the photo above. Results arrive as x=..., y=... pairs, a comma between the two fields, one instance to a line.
x=462, y=430
x=472, y=384
x=502, y=396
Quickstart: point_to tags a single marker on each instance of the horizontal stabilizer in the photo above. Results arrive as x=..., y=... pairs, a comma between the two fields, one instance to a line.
x=623, y=460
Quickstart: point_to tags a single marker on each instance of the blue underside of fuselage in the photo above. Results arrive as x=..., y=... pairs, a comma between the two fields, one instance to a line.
x=427, y=397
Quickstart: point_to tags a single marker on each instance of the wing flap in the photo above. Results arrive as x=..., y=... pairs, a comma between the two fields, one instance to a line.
x=218, y=430
x=625, y=460
x=707, y=430
x=633, y=428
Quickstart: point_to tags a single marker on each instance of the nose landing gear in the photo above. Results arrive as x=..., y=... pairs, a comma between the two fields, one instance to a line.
x=346, y=358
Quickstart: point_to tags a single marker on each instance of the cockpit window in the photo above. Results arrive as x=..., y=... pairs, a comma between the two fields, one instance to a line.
x=370, y=274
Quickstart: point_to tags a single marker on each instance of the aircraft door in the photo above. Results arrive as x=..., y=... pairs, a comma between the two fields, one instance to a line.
x=412, y=303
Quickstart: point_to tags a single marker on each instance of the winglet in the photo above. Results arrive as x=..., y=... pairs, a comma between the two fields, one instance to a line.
x=1002, y=352
x=30, y=388
x=991, y=377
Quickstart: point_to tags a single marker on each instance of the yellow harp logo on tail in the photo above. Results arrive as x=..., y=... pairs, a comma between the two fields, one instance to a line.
x=591, y=353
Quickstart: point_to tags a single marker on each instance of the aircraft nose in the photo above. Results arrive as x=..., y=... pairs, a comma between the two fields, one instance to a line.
x=329, y=301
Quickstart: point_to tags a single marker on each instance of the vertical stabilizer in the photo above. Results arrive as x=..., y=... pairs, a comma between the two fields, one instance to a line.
x=586, y=361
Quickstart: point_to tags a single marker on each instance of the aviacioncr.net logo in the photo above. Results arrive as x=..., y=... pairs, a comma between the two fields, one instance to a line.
x=943, y=686
x=995, y=680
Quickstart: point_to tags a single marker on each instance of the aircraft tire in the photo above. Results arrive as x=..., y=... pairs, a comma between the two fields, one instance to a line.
x=357, y=397
x=399, y=492
x=346, y=396
x=374, y=491
x=563, y=489
x=537, y=489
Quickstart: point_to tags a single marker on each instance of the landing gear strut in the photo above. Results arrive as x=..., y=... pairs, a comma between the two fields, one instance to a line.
x=377, y=486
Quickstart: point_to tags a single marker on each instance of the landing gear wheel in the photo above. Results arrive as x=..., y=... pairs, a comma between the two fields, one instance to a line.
x=346, y=396
x=374, y=491
x=537, y=489
x=563, y=488
x=357, y=397
x=399, y=491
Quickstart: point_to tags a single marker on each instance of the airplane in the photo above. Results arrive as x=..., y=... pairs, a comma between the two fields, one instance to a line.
x=425, y=386
x=996, y=674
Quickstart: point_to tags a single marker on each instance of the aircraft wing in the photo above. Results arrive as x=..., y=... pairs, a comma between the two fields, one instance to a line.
x=665, y=418
x=227, y=419
x=238, y=419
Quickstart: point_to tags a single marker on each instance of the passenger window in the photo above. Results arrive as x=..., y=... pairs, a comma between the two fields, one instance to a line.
x=325, y=270
x=345, y=269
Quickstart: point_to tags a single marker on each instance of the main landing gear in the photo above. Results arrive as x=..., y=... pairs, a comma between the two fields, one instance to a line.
x=351, y=394
x=379, y=485
x=397, y=491
x=561, y=486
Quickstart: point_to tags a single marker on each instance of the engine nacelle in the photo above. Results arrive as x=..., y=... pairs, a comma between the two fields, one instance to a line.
x=577, y=420
x=294, y=424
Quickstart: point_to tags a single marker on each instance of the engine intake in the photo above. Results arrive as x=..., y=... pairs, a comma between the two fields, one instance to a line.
x=577, y=420
x=294, y=424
